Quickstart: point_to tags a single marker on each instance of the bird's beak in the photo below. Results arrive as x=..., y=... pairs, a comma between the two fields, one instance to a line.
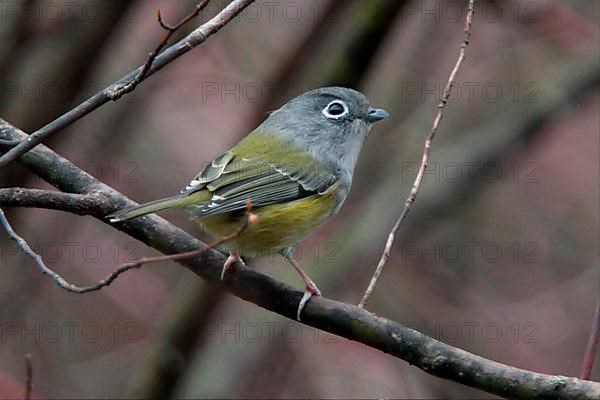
x=376, y=114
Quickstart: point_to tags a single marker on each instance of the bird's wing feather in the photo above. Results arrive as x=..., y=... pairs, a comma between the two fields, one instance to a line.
x=211, y=172
x=232, y=180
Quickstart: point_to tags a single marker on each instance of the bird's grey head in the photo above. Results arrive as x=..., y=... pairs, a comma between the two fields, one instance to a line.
x=330, y=122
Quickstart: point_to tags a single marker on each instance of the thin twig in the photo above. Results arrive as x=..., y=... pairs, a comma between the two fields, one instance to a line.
x=60, y=281
x=115, y=90
x=425, y=157
x=28, y=376
x=592, y=346
x=250, y=219
x=131, y=85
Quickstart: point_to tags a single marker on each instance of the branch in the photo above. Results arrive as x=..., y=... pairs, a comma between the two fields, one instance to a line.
x=80, y=204
x=60, y=281
x=345, y=320
x=424, y=159
x=117, y=89
x=592, y=345
x=66, y=198
x=194, y=307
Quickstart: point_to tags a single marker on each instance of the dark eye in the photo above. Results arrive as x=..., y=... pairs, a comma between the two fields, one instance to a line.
x=336, y=109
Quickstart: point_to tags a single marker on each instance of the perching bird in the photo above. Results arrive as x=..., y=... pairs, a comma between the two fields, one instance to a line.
x=295, y=168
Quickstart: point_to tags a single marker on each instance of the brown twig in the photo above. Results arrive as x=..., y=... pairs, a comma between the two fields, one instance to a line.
x=60, y=281
x=115, y=90
x=251, y=219
x=425, y=157
x=592, y=346
x=131, y=85
x=28, y=376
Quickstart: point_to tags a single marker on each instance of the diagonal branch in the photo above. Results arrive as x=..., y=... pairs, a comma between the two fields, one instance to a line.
x=342, y=319
x=424, y=159
x=116, y=90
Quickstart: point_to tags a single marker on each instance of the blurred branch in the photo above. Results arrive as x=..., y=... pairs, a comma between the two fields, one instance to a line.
x=345, y=320
x=373, y=20
x=21, y=32
x=62, y=59
x=425, y=158
x=178, y=342
x=28, y=376
x=116, y=90
x=293, y=66
x=592, y=345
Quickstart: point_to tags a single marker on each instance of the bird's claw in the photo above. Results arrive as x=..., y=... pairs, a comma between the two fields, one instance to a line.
x=310, y=291
x=231, y=259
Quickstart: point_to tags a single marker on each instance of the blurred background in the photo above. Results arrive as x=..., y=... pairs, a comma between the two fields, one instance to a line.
x=499, y=255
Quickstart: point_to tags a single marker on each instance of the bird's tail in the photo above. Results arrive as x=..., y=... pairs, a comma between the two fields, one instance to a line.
x=152, y=207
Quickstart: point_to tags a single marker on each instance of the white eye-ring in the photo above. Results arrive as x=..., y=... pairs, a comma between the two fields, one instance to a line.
x=336, y=109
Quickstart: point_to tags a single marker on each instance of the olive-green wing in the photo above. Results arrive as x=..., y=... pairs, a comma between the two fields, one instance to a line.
x=232, y=180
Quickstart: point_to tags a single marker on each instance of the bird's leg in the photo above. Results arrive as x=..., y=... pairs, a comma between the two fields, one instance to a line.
x=311, y=288
x=233, y=257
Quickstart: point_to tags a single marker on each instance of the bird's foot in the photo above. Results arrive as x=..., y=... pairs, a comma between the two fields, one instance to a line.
x=310, y=291
x=232, y=259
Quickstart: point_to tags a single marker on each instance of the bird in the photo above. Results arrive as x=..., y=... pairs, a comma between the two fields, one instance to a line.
x=295, y=169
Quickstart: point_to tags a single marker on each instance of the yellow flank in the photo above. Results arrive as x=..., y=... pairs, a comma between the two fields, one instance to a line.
x=279, y=225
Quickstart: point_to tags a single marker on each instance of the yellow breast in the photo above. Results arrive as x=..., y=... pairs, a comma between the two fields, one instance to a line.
x=279, y=225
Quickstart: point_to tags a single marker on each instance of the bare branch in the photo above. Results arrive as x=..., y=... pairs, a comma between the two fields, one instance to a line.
x=64, y=201
x=115, y=90
x=424, y=159
x=199, y=7
x=60, y=281
x=592, y=346
x=80, y=204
